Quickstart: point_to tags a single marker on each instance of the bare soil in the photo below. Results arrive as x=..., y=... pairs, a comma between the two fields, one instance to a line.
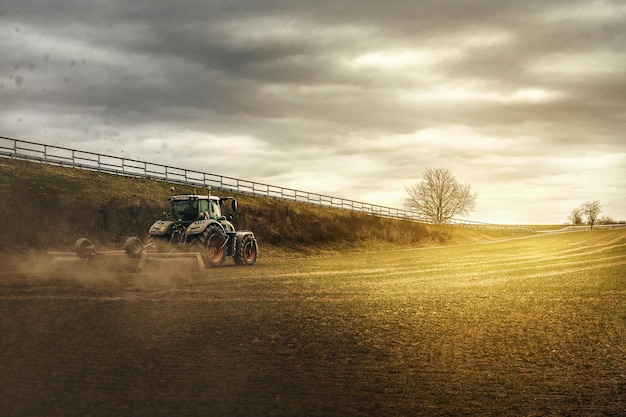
x=261, y=342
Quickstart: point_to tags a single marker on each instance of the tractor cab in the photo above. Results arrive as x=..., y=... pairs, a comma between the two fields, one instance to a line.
x=190, y=208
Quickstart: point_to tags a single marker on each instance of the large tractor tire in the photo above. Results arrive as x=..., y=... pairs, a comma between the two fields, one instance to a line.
x=213, y=245
x=247, y=251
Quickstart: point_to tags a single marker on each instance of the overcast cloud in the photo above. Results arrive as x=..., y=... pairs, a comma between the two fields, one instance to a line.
x=523, y=100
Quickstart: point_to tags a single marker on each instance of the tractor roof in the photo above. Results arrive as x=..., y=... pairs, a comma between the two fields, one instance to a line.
x=186, y=197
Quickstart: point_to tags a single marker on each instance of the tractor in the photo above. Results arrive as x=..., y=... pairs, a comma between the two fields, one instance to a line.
x=195, y=223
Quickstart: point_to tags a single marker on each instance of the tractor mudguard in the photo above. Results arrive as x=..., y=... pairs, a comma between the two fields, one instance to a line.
x=228, y=226
x=161, y=227
x=240, y=234
x=200, y=226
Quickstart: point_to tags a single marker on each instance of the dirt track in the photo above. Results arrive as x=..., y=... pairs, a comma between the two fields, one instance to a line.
x=254, y=343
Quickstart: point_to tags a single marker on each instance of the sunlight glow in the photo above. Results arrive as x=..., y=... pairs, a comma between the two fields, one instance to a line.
x=399, y=59
x=485, y=39
x=532, y=94
x=602, y=62
x=474, y=94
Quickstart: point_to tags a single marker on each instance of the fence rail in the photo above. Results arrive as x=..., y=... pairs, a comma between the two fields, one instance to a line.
x=60, y=156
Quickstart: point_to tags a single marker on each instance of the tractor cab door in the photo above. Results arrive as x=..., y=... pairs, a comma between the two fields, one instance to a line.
x=214, y=210
x=204, y=209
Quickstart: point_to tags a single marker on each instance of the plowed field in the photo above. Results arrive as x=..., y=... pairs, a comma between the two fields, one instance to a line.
x=528, y=327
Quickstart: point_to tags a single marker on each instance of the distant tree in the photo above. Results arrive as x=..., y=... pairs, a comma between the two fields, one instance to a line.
x=576, y=217
x=439, y=197
x=591, y=209
x=607, y=220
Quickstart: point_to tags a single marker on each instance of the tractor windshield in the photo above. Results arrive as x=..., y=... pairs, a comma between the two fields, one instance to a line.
x=185, y=210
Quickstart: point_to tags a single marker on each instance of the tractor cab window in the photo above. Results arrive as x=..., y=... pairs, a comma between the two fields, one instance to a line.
x=204, y=207
x=185, y=210
x=215, y=210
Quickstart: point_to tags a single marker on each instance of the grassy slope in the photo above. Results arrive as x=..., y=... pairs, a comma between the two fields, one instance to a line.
x=53, y=206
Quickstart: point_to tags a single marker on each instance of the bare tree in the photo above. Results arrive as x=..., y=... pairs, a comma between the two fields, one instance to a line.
x=576, y=217
x=591, y=209
x=607, y=220
x=439, y=197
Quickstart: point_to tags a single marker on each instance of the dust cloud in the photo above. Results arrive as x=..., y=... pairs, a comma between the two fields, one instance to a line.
x=101, y=273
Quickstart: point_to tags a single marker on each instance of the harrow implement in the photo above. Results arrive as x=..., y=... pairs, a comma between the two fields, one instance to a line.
x=135, y=256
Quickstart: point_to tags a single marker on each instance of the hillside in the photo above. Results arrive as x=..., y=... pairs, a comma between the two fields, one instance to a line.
x=49, y=206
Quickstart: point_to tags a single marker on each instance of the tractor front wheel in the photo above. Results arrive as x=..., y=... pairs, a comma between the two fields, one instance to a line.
x=213, y=245
x=157, y=243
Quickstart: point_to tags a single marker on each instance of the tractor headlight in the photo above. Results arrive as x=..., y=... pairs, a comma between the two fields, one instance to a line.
x=159, y=227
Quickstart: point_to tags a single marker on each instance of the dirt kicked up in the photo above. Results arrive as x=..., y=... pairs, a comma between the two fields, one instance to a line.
x=524, y=327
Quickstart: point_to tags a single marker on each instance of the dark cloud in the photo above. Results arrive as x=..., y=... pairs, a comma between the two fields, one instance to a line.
x=356, y=88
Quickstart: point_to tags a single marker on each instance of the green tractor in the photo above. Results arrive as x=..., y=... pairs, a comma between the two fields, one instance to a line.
x=196, y=223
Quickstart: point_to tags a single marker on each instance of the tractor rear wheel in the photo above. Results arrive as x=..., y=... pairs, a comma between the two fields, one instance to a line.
x=247, y=251
x=213, y=245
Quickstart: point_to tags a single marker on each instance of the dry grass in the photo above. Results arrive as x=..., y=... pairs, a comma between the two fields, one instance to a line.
x=51, y=207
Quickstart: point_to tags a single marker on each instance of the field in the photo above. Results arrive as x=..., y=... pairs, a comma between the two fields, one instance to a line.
x=528, y=327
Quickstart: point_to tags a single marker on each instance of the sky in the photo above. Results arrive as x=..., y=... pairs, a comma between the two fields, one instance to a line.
x=525, y=101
